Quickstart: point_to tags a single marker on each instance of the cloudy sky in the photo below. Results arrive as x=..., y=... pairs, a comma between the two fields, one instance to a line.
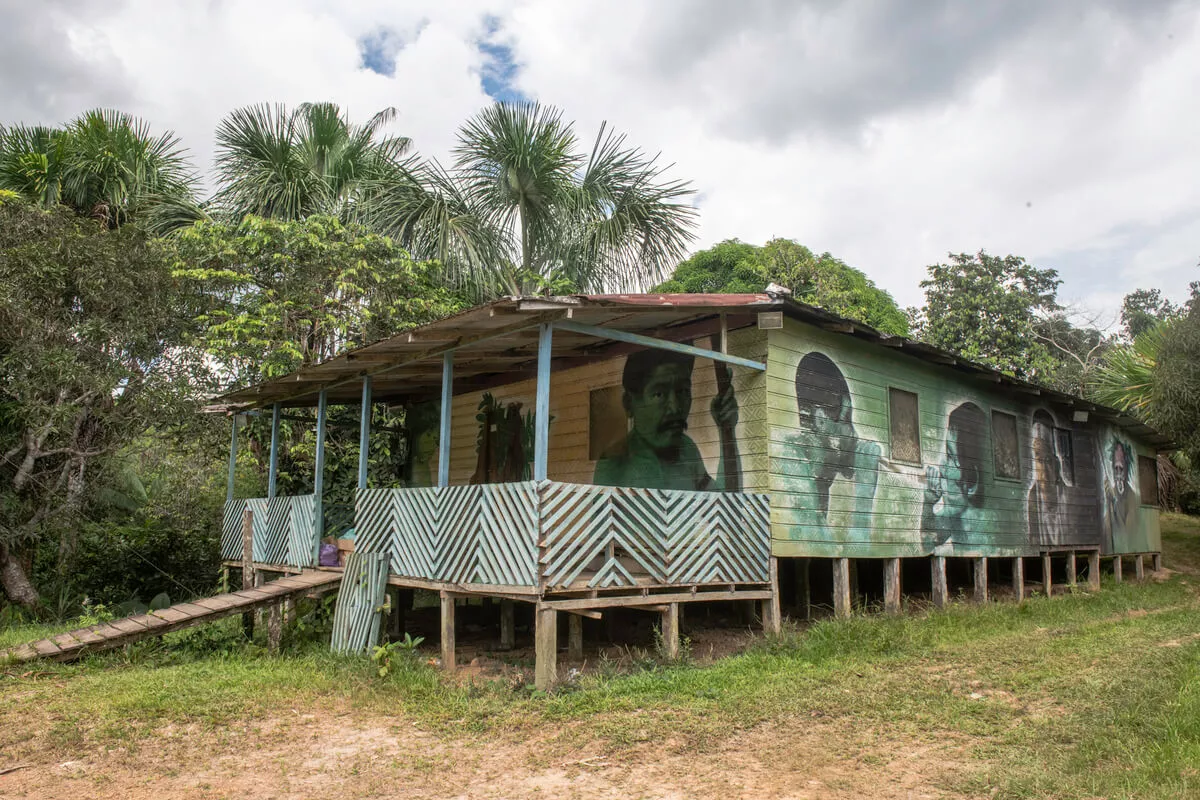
x=888, y=133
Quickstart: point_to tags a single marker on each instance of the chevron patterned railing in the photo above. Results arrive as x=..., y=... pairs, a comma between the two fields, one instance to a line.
x=560, y=535
x=284, y=529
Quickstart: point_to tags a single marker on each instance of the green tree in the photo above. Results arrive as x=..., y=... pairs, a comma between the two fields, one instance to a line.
x=104, y=164
x=736, y=267
x=988, y=309
x=526, y=210
x=272, y=162
x=90, y=349
x=1141, y=310
x=281, y=294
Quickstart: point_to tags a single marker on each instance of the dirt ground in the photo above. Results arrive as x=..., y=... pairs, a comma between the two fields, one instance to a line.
x=333, y=754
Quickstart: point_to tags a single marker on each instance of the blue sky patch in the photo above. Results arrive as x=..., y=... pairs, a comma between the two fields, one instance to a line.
x=499, y=67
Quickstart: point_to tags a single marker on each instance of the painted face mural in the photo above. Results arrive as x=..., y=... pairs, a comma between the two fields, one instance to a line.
x=954, y=490
x=827, y=446
x=656, y=452
x=1046, y=502
x=1121, y=500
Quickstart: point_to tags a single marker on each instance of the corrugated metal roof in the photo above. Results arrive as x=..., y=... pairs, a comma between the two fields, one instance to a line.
x=497, y=343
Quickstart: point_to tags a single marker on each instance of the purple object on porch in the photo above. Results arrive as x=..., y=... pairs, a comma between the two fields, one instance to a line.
x=329, y=555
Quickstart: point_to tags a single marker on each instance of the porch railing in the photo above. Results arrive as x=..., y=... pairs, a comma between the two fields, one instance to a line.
x=558, y=535
x=284, y=529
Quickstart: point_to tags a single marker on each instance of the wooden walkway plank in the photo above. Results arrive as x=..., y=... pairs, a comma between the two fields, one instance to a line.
x=65, y=646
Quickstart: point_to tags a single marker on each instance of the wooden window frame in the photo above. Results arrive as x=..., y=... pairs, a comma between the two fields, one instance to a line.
x=996, y=473
x=892, y=430
x=1153, y=501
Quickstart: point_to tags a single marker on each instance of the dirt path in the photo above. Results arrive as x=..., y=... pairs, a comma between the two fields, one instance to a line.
x=336, y=754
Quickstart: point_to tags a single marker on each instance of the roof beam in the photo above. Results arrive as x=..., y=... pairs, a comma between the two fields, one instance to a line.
x=660, y=344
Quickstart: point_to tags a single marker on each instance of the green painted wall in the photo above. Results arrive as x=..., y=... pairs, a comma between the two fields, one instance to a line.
x=840, y=486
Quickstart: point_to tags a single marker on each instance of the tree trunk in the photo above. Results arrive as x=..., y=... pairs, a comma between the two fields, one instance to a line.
x=14, y=580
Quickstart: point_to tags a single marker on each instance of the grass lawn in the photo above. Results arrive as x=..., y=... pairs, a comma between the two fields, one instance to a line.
x=1081, y=696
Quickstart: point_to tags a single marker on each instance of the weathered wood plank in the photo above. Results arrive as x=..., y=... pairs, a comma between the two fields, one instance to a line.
x=891, y=586
x=1118, y=564
x=574, y=637
x=654, y=599
x=1072, y=569
x=941, y=589
x=1093, y=568
x=545, y=669
x=1047, y=575
x=448, y=644
x=669, y=629
x=1018, y=579
x=981, y=580
x=1139, y=567
x=508, y=628
x=841, y=587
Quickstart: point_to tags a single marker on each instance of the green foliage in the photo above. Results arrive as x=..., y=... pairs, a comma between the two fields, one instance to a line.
x=104, y=164
x=279, y=294
x=1143, y=309
x=389, y=655
x=988, y=309
x=287, y=165
x=91, y=327
x=527, y=207
x=824, y=281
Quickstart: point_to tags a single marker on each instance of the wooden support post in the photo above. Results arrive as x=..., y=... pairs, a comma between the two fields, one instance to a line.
x=841, y=587
x=545, y=635
x=1019, y=578
x=941, y=591
x=447, y=402
x=274, y=628
x=273, y=468
x=447, y=630
x=981, y=581
x=574, y=637
x=1156, y=562
x=670, y=631
x=541, y=416
x=396, y=617
x=770, y=608
x=804, y=588
x=508, y=628
x=248, y=567
x=1047, y=575
x=1118, y=563
x=364, y=432
x=1072, y=570
x=891, y=586
x=1139, y=567
x=233, y=447
x=1094, y=570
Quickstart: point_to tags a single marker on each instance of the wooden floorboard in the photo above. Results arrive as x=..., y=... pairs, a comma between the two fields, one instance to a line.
x=66, y=646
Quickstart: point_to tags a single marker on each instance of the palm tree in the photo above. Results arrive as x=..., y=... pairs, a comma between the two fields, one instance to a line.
x=104, y=163
x=525, y=210
x=284, y=164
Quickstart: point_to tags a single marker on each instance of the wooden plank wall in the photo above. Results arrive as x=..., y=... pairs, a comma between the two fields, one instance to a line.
x=882, y=511
x=569, y=409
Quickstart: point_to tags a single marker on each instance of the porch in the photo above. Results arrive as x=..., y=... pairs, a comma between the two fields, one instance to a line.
x=561, y=545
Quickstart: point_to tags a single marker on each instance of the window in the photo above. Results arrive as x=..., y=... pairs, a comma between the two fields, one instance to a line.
x=1065, y=447
x=1148, y=480
x=906, y=426
x=1004, y=445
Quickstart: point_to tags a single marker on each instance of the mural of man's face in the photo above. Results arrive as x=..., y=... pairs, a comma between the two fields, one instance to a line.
x=660, y=411
x=1120, y=470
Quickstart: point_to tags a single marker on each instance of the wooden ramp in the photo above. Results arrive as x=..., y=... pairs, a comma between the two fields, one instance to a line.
x=68, y=646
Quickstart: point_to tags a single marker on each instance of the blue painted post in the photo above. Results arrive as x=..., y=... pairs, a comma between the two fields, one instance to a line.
x=364, y=433
x=541, y=417
x=447, y=398
x=273, y=472
x=319, y=478
x=232, y=460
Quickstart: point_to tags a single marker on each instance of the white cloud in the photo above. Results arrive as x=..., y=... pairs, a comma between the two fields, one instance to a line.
x=1063, y=132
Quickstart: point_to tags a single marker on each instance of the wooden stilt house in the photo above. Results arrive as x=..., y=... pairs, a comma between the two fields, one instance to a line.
x=583, y=453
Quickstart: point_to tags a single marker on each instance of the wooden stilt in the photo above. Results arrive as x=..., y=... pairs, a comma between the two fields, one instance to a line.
x=545, y=634
x=1156, y=562
x=670, y=631
x=981, y=580
x=1118, y=564
x=1139, y=567
x=891, y=586
x=574, y=637
x=1047, y=576
x=447, y=631
x=1072, y=571
x=1093, y=557
x=274, y=628
x=941, y=591
x=508, y=628
x=841, y=587
x=803, y=588
x=248, y=567
x=770, y=609
x=1019, y=578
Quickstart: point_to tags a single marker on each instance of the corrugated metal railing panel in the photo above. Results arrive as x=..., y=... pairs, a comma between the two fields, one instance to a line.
x=356, y=617
x=610, y=536
x=302, y=530
x=460, y=534
x=284, y=529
